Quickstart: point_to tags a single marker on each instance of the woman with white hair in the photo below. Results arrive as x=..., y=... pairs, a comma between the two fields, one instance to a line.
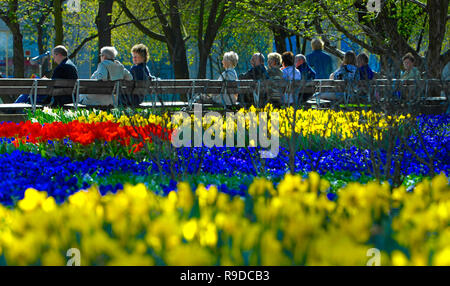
x=275, y=73
x=274, y=62
x=229, y=62
x=108, y=69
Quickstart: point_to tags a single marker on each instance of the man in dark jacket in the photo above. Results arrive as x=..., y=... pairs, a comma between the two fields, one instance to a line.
x=65, y=70
x=257, y=72
x=307, y=72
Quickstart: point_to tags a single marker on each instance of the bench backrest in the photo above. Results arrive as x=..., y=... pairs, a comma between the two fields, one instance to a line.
x=87, y=86
x=62, y=87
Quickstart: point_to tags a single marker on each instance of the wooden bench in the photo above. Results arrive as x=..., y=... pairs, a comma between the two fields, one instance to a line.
x=259, y=91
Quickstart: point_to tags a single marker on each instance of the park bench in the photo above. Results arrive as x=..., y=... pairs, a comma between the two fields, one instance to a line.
x=11, y=88
x=260, y=91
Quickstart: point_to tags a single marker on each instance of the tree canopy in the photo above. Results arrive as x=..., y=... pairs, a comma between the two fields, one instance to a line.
x=192, y=35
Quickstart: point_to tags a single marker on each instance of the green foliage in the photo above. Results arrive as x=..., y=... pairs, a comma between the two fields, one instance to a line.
x=240, y=37
x=77, y=27
x=249, y=26
x=124, y=37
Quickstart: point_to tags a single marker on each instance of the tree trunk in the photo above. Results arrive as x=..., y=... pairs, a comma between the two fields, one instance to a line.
x=291, y=47
x=40, y=39
x=203, y=61
x=11, y=20
x=178, y=59
x=206, y=39
x=390, y=66
x=103, y=22
x=59, y=29
x=297, y=44
x=211, y=71
x=46, y=70
x=19, y=59
x=18, y=55
x=437, y=22
x=280, y=39
x=204, y=54
x=304, y=47
x=176, y=42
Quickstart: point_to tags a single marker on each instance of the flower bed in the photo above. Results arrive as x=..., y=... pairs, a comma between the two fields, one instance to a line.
x=61, y=176
x=83, y=133
x=139, y=208
x=295, y=223
x=308, y=122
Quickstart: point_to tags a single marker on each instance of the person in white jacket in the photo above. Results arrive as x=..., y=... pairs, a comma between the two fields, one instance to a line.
x=108, y=69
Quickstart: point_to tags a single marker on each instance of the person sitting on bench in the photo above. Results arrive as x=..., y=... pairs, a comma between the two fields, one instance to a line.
x=307, y=74
x=365, y=72
x=258, y=71
x=276, y=74
x=304, y=68
x=108, y=69
x=229, y=62
x=289, y=73
x=347, y=71
x=139, y=71
x=321, y=62
x=410, y=71
x=66, y=69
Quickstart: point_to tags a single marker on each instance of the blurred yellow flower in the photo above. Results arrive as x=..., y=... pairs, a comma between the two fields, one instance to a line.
x=32, y=199
x=292, y=224
x=190, y=229
x=399, y=258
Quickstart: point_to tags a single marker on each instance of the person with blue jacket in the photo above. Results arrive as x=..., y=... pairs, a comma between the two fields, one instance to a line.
x=303, y=67
x=365, y=72
x=320, y=61
x=307, y=74
x=140, y=70
x=347, y=71
x=289, y=73
x=65, y=69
